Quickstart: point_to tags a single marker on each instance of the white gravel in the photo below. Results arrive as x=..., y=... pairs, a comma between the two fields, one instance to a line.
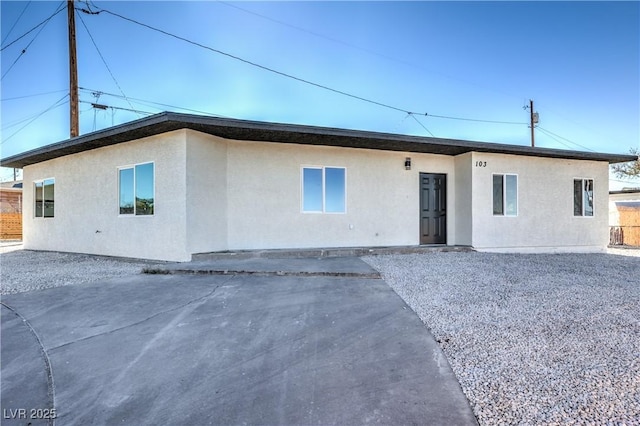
x=533, y=339
x=25, y=270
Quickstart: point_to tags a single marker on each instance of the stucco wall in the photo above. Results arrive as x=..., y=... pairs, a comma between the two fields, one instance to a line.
x=206, y=199
x=264, y=197
x=87, y=216
x=464, y=199
x=545, y=220
x=213, y=194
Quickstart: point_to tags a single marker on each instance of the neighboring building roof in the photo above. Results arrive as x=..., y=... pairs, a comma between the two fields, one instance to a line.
x=635, y=204
x=286, y=133
x=626, y=191
x=11, y=185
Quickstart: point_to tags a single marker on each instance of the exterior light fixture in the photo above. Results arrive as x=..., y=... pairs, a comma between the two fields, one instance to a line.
x=407, y=163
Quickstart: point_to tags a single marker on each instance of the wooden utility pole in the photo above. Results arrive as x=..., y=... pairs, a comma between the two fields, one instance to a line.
x=533, y=143
x=73, y=72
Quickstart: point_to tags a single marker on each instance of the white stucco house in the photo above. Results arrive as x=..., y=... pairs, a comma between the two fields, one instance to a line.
x=172, y=185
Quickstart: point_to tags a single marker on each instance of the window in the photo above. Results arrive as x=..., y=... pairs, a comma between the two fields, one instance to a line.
x=583, y=197
x=136, y=190
x=505, y=195
x=323, y=189
x=44, y=197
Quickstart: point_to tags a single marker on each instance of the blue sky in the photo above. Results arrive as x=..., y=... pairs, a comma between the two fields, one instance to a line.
x=578, y=61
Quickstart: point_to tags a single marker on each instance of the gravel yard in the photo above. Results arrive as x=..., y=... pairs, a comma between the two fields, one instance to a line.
x=25, y=270
x=533, y=339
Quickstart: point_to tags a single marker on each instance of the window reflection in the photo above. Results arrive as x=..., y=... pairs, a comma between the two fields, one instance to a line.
x=324, y=189
x=334, y=190
x=136, y=185
x=144, y=189
x=126, y=191
x=312, y=190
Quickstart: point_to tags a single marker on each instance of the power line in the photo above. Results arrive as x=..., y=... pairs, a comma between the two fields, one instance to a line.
x=422, y=125
x=570, y=141
x=252, y=63
x=31, y=96
x=100, y=106
x=555, y=139
x=104, y=61
x=32, y=40
x=16, y=23
x=474, y=119
x=141, y=101
x=58, y=103
x=32, y=29
x=363, y=49
x=272, y=70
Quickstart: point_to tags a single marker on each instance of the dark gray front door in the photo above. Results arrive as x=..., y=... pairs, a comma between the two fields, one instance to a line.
x=433, y=208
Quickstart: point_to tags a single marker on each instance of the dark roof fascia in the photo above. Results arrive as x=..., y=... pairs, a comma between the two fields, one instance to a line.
x=287, y=133
x=625, y=191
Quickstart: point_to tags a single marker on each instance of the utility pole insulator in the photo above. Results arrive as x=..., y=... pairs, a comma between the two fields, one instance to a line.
x=73, y=73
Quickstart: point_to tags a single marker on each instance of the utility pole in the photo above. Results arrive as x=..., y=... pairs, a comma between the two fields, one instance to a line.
x=534, y=118
x=73, y=72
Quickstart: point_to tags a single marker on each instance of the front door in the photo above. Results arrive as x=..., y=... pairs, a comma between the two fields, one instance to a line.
x=433, y=208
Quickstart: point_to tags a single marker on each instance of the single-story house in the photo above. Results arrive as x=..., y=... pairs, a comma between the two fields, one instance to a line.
x=172, y=185
x=624, y=217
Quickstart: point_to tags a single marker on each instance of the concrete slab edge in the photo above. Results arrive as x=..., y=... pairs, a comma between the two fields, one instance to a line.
x=327, y=252
x=209, y=271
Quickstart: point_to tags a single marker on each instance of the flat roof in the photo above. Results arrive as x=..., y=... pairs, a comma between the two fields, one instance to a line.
x=286, y=133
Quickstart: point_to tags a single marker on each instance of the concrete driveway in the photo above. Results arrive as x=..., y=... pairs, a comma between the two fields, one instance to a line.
x=260, y=345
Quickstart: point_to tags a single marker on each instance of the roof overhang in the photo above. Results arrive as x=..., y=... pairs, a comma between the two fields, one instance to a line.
x=286, y=133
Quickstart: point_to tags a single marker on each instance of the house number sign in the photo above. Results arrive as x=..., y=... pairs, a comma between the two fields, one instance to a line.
x=481, y=164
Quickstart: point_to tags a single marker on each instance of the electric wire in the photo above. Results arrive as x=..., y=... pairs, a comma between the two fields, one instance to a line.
x=6, y=126
x=555, y=139
x=284, y=74
x=422, y=125
x=32, y=95
x=10, y=124
x=263, y=67
x=565, y=139
x=304, y=30
x=475, y=119
x=16, y=23
x=142, y=101
x=32, y=29
x=119, y=108
x=58, y=103
x=363, y=49
x=104, y=61
x=32, y=40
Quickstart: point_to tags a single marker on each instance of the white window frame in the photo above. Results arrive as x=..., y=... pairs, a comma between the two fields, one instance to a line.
x=324, y=192
x=582, y=179
x=504, y=195
x=133, y=166
x=42, y=181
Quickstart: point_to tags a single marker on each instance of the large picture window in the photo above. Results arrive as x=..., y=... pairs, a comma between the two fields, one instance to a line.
x=44, y=191
x=137, y=189
x=324, y=189
x=505, y=195
x=583, y=197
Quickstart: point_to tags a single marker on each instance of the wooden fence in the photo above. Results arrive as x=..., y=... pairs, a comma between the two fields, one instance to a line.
x=628, y=230
x=10, y=226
